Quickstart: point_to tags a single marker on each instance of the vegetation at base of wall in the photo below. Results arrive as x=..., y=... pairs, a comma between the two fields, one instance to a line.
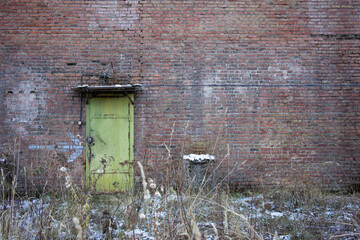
x=152, y=211
x=178, y=207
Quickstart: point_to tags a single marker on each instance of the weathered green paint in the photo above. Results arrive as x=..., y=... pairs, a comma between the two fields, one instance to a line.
x=110, y=140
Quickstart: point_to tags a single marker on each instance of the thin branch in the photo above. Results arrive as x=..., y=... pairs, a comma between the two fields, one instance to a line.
x=345, y=235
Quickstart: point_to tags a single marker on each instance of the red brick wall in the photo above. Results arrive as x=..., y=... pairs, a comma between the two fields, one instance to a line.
x=273, y=83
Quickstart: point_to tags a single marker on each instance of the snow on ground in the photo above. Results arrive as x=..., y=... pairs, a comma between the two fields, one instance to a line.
x=318, y=218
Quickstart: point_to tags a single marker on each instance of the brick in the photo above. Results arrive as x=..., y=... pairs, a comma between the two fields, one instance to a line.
x=277, y=81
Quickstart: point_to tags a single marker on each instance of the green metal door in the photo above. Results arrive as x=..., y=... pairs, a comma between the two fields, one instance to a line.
x=109, y=151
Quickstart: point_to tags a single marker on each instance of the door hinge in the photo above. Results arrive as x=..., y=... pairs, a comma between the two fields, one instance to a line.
x=126, y=94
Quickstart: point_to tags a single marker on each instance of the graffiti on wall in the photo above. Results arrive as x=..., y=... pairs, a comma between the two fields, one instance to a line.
x=74, y=149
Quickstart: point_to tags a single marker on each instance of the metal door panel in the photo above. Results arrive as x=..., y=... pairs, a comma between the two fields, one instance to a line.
x=110, y=144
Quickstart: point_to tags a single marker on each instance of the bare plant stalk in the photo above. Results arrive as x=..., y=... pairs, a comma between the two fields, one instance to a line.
x=13, y=189
x=196, y=234
x=228, y=166
x=215, y=231
x=133, y=207
x=226, y=225
x=155, y=220
x=167, y=203
x=14, y=156
x=168, y=180
x=18, y=158
x=183, y=213
x=78, y=228
x=276, y=237
x=171, y=137
x=345, y=235
x=185, y=132
x=3, y=214
x=41, y=220
x=144, y=183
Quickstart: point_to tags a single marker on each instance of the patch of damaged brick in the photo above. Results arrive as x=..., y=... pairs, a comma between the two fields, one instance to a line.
x=338, y=36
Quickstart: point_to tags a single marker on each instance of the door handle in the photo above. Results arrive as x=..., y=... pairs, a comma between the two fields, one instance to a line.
x=90, y=140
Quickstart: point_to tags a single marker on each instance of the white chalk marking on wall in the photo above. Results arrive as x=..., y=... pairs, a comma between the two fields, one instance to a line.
x=63, y=147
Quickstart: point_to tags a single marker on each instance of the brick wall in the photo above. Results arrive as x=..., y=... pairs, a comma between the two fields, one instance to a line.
x=271, y=87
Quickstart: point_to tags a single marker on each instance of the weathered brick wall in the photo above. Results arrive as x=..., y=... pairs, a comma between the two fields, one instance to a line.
x=48, y=47
x=275, y=84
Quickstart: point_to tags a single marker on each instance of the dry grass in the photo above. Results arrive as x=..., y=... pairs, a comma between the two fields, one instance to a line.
x=151, y=211
x=176, y=209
